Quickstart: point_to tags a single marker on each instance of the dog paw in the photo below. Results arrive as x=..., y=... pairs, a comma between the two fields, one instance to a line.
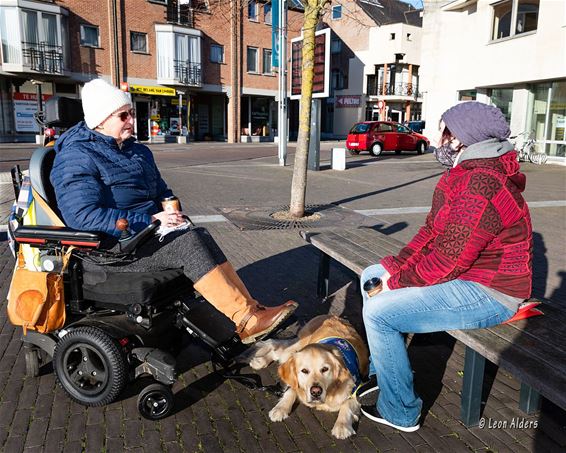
x=277, y=414
x=258, y=363
x=342, y=431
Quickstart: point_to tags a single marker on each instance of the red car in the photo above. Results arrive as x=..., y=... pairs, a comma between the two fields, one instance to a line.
x=378, y=136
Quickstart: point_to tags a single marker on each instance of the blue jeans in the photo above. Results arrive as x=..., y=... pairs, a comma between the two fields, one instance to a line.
x=457, y=304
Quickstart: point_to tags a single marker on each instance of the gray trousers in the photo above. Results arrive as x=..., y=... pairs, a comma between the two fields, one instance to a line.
x=193, y=250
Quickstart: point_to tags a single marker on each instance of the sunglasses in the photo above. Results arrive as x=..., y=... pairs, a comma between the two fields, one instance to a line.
x=125, y=114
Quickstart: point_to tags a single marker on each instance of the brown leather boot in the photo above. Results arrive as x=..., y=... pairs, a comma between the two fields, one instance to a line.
x=231, y=297
x=260, y=321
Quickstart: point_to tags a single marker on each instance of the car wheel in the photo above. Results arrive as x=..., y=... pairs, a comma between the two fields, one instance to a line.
x=421, y=147
x=376, y=149
x=354, y=152
x=90, y=366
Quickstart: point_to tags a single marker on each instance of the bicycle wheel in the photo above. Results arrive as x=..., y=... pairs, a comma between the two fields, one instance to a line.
x=538, y=158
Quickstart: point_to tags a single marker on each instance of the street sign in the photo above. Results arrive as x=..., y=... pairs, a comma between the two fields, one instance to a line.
x=321, y=82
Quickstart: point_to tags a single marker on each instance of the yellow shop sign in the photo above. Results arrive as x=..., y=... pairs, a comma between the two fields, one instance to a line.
x=157, y=91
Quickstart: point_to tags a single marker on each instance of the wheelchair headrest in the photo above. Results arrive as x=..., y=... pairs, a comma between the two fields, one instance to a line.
x=40, y=166
x=64, y=112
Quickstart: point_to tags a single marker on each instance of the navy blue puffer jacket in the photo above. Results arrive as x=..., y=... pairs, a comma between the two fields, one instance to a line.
x=97, y=182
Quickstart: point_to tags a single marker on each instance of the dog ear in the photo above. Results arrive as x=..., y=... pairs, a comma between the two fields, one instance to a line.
x=288, y=373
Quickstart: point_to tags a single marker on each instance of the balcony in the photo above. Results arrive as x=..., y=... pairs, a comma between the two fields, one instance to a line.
x=400, y=91
x=43, y=57
x=179, y=55
x=34, y=37
x=188, y=73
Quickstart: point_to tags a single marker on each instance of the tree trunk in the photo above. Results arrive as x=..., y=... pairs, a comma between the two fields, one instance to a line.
x=313, y=9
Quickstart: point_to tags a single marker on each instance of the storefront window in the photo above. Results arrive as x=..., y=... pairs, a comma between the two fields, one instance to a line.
x=538, y=109
x=557, y=120
x=503, y=99
x=260, y=116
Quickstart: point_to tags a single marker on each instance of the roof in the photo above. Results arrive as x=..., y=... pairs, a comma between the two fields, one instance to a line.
x=385, y=12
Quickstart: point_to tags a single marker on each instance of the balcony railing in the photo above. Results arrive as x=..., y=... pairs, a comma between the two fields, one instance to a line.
x=178, y=13
x=188, y=73
x=43, y=57
x=393, y=89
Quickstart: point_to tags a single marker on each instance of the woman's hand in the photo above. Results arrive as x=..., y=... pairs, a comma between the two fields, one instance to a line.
x=169, y=219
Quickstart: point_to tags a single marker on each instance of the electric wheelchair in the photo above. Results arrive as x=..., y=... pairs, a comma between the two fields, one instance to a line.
x=119, y=327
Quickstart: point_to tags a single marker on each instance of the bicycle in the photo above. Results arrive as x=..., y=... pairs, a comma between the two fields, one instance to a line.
x=527, y=151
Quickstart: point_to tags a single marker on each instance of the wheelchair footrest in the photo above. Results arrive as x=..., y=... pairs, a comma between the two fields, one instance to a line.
x=157, y=363
x=204, y=321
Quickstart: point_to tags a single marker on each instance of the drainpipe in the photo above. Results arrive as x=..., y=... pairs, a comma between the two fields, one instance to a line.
x=115, y=52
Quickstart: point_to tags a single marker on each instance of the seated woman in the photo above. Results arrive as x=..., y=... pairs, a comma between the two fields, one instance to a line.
x=468, y=267
x=101, y=174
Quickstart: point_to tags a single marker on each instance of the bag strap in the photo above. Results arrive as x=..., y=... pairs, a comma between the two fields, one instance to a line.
x=21, y=259
x=67, y=258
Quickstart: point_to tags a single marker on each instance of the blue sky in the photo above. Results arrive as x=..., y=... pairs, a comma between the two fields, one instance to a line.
x=415, y=3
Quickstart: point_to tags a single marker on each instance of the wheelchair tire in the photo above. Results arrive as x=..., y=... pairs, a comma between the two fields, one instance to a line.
x=32, y=358
x=155, y=401
x=90, y=366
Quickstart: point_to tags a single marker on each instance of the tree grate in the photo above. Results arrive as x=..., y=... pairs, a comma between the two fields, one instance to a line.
x=246, y=218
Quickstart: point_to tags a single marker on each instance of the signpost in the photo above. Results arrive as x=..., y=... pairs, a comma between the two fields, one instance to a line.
x=321, y=86
x=279, y=60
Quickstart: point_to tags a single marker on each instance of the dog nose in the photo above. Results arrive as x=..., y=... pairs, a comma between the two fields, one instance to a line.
x=316, y=391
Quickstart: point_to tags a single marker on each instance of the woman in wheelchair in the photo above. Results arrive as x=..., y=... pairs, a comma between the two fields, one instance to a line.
x=101, y=174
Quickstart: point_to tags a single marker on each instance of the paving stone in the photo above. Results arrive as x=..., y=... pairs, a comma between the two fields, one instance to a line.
x=14, y=444
x=37, y=449
x=20, y=423
x=151, y=441
x=76, y=427
x=168, y=432
x=113, y=423
x=114, y=445
x=95, y=415
x=54, y=440
x=189, y=438
x=7, y=409
x=3, y=435
x=132, y=433
x=43, y=406
x=36, y=433
x=210, y=444
x=94, y=438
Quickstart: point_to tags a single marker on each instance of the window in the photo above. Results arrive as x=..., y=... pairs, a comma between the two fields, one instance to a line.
x=216, y=53
x=392, y=36
x=267, y=13
x=337, y=12
x=384, y=127
x=252, y=59
x=467, y=95
x=409, y=37
x=138, y=42
x=336, y=46
x=252, y=10
x=513, y=17
x=89, y=35
x=267, y=61
x=337, y=79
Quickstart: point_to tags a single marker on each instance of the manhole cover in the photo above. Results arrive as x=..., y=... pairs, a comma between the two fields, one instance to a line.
x=261, y=218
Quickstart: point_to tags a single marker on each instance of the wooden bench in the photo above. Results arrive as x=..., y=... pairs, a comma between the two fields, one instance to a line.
x=533, y=350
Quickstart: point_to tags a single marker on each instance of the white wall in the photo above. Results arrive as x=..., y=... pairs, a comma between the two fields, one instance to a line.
x=457, y=53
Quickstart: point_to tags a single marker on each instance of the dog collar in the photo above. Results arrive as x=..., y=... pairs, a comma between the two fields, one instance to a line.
x=350, y=357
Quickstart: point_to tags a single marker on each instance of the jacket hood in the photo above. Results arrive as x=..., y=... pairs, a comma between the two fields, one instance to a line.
x=495, y=155
x=80, y=133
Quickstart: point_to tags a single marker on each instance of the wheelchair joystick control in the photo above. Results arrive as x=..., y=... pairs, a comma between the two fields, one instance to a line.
x=122, y=225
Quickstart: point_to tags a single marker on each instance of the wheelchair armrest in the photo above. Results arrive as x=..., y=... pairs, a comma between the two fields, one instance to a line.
x=130, y=244
x=55, y=235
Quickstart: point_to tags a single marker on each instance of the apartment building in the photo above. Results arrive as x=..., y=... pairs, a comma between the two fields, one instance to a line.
x=193, y=67
x=375, y=64
x=511, y=53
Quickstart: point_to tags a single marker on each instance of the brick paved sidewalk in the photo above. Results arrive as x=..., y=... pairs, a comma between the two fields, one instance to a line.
x=213, y=415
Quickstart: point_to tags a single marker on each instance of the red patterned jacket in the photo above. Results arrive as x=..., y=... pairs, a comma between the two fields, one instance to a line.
x=478, y=229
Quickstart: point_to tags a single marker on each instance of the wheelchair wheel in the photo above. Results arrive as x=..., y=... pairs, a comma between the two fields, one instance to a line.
x=155, y=401
x=33, y=359
x=90, y=366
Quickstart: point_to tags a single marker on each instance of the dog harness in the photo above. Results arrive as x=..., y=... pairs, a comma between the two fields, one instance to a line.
x=349, y=355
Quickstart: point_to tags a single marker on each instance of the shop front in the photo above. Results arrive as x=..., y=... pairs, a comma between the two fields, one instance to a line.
x=158, y=116
x=258, y=118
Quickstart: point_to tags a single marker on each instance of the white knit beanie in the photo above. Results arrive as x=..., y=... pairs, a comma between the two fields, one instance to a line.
x=100, y=100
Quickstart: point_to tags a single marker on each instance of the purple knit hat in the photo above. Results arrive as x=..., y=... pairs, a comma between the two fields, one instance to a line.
x=472, y=122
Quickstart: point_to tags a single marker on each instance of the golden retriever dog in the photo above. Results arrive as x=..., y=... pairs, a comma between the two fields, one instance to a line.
x=316, y=370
